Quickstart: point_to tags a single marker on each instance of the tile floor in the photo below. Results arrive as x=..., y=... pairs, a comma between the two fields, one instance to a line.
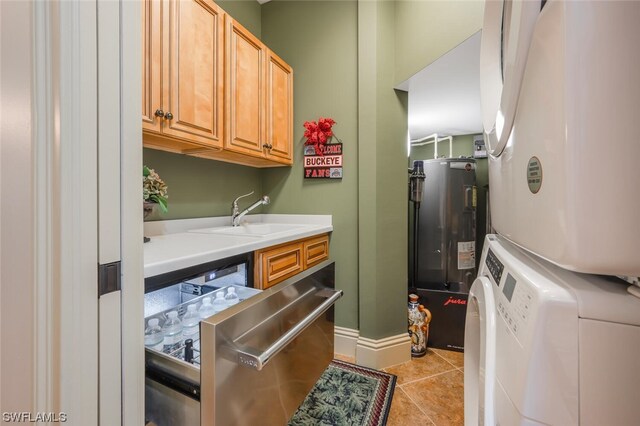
x=429, y=390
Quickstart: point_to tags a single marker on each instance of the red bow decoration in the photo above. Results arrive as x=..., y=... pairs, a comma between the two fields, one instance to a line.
x=318, y=134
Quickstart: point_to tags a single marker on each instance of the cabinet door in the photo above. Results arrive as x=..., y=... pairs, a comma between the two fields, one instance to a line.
x=315, y=250
x=193, y=82
x=151, y=65
x=245, y=91
x=274, y=265
x=279, y=110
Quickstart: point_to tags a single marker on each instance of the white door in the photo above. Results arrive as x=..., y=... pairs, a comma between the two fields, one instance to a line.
x=71, y=200
x=506, y=36
x=109, y=257
x=480, y=354
x=121, y=370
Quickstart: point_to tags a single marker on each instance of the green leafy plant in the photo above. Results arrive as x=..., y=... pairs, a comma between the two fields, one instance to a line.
x=154, y=190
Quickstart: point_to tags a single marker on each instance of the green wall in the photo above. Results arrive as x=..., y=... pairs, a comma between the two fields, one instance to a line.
x=247, y=12
x=319, y=40
x=344, y=68
x=427, y=29
x=383, y=176
x=200, y=188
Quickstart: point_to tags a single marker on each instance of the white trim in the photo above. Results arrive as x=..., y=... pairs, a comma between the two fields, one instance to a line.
x=384, y=352
x=110, y=346
x=131, y=210
x=76, y=140
x=18, y=177
x=369, y=352
x=45, y=195
x=108, y=168
x=65, y=211
x=108, y=130
x=345, y=341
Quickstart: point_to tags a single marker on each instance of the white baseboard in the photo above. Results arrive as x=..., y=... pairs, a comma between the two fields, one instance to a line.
x=345, y=341
x=384, y=352
x=372, y=353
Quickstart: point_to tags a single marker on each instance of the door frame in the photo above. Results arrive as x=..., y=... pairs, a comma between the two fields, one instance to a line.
x=64, y=145
x=64, y=218
x=131, y=234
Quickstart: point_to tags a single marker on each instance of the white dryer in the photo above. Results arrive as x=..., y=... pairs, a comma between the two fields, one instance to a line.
x=544, y=345
x=560, y=90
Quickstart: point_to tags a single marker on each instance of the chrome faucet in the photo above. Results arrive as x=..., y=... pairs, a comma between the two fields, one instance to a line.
x=237, y=215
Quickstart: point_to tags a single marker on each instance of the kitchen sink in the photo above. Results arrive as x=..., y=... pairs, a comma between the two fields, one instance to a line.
x=251, y=229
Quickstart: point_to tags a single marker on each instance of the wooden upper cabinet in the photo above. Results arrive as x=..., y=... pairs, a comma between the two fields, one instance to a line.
x=182, y=75
x=211, y=89
x=151, y=65
x=245, y=91
x=279, y=109
x=194, y=64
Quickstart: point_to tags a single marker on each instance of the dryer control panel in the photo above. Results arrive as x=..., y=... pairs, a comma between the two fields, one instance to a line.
x=495, y=267
x=515, y=303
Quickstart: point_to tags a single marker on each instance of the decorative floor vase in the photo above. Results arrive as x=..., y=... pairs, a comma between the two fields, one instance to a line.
x=419, y=318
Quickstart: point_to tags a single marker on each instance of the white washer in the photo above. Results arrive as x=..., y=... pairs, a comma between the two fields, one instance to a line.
x=544, y=345
x=560, y=90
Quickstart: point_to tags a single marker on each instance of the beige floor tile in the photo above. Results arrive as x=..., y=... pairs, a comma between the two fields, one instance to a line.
x=404, y=412
x=344, y=358
x=455, y=358
x=419, y=368
x=441, y=397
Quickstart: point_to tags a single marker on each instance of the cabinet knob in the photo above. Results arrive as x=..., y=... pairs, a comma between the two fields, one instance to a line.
x=269, y=146
x=168, y=116
x=159, y=113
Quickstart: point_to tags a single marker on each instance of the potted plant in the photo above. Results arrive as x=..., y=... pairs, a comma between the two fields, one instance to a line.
x=154, y=191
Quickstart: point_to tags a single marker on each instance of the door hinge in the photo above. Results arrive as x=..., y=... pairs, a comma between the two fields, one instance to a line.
x=109, y=279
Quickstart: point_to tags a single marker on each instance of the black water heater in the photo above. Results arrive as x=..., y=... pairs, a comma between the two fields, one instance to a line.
x=446, y=239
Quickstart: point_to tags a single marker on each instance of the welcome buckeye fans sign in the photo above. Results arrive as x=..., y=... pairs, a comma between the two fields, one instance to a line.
x=325, y=166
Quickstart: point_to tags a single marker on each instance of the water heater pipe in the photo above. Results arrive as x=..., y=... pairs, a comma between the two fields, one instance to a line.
x=435, y=146
x=436, y=139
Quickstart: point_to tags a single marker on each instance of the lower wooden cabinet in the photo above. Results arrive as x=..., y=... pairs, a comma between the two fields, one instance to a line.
x=276, y=264
x=315, y=250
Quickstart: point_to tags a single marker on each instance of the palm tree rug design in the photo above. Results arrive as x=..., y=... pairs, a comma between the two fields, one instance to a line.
x=347, y=394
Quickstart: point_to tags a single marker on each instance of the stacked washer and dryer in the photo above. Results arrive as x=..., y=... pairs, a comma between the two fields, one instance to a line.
x=552, y=334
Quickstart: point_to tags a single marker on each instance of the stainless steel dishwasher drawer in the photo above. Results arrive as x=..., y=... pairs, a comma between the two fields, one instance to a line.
x=165, y=406
x=258, y=359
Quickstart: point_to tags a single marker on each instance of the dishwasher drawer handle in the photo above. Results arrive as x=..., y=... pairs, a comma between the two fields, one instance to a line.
x=259, y=361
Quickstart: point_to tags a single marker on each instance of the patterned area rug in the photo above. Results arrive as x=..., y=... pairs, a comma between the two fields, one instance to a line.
x=347, y=394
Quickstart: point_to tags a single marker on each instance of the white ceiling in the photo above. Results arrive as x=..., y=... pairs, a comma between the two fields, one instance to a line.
x=444, y=97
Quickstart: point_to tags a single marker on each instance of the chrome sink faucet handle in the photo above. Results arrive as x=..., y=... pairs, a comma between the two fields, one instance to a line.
x=237, y=216
x=235, y=208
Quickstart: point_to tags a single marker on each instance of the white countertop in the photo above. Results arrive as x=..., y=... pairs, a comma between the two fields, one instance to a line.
x=174, y=244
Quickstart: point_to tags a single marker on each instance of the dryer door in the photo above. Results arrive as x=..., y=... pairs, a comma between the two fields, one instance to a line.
x=506, y=36
x=480, y=354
